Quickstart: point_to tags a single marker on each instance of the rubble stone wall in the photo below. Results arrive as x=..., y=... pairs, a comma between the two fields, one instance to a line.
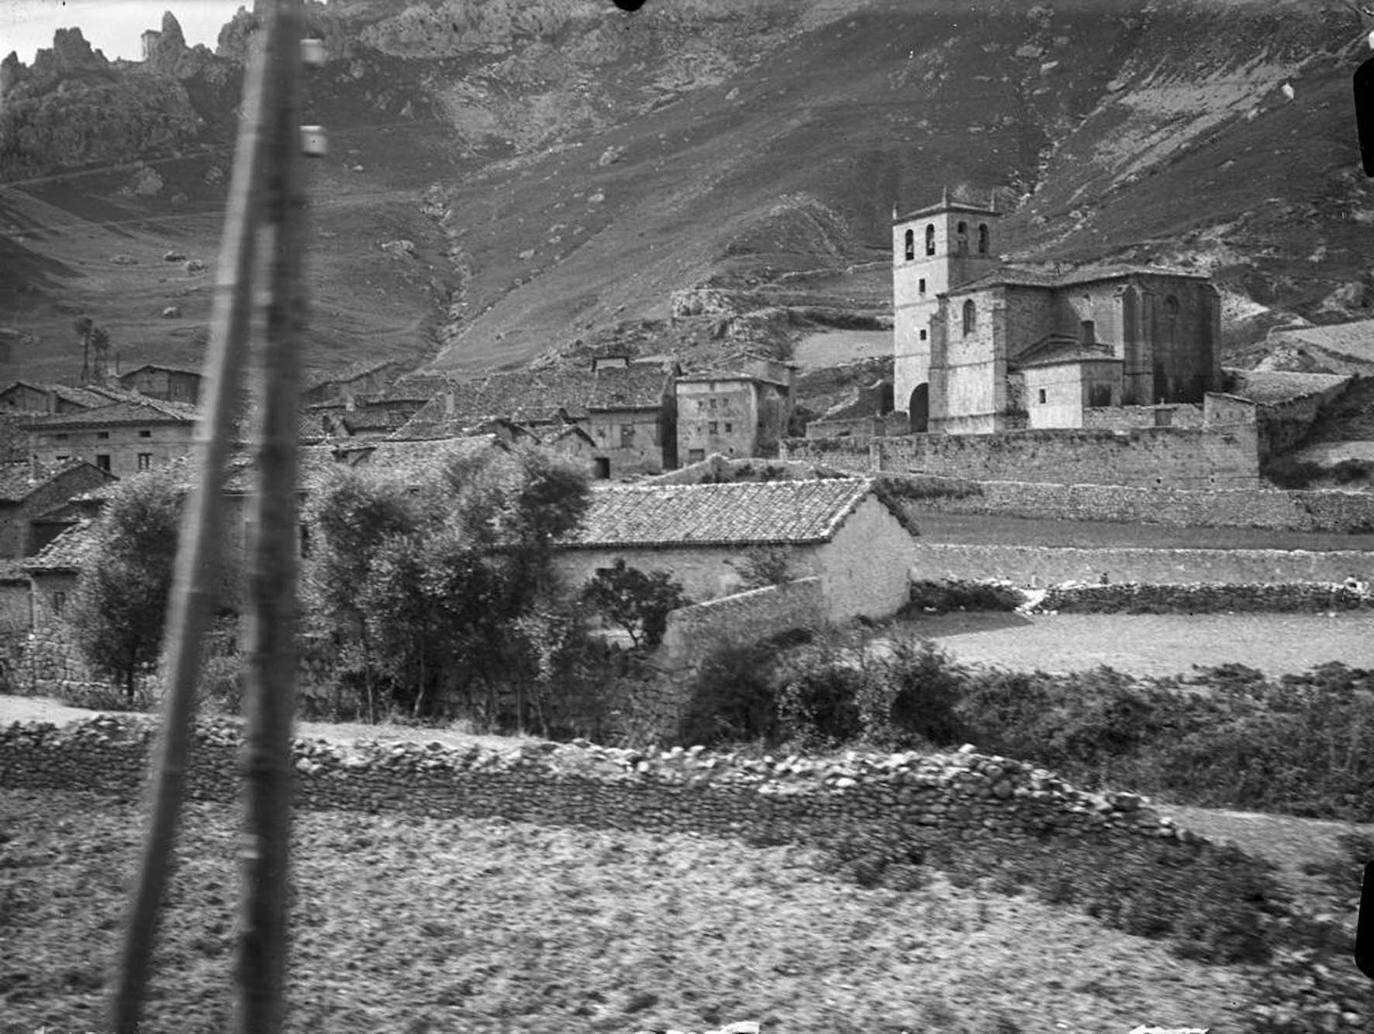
x=1328, y=510
x=795, y=799
x=1039, y=566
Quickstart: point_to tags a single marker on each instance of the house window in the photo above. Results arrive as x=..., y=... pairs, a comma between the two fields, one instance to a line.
x=102, y=460
x=713, y=403
x=930, y=239
x=910, y=245
x=1042, y=396
x=729, y=427
x=601, y=432
x=145, y=462
x=60, y=437
x=305, y=541
x=923, y=335
x=61, y=459
x=103, y=435
x=627, y=435
x=696, y=455
x=59, y=602
x=712, y=427
x=145, y=434
x=970, y=318
x=921, y=285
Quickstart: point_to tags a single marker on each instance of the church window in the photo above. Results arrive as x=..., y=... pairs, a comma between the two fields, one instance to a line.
x=961, y=239
x=982, y=238
x=910, y=245
x=921, y=285
x=930, y=238
x=1089, y=332
x=627, y=435
x=970, y=318
x=923, y=335
x=1042, y=396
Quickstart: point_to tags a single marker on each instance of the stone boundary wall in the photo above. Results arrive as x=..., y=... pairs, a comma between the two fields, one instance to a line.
x=801, y=800
x=1312, y=510
x=1040, y=566
x=1133, y=598
x=1176, y=457
x=746, y=617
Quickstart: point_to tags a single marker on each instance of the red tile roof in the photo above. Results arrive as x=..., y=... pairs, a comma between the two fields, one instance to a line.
x=739, y=514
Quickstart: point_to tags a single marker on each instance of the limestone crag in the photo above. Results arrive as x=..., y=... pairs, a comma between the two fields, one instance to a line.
x=165, y=52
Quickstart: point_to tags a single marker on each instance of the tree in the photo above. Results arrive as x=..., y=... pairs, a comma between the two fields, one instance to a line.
x=431, y=587
x=762, y=566
x=635, y=600
x=121, y=596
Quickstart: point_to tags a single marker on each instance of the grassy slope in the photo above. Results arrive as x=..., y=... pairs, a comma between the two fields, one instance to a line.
x=1129, y=125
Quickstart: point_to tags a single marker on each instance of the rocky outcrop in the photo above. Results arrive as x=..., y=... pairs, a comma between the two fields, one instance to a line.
x=165, y=52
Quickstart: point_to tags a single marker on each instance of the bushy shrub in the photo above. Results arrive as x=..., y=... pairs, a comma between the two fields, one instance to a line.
x=732, y=698
x=819, y=690
x=951, y=594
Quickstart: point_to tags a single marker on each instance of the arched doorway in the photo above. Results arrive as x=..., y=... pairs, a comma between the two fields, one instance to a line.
x=919, y=408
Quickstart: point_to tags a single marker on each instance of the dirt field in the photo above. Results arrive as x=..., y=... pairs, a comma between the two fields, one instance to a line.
x=1153, y=644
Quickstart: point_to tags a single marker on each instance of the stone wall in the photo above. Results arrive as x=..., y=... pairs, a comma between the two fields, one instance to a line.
x=1333, y=511
x=746, y=617
x=1173, y=457
x=1134, y=598
x=1043, y=566
x=1180, y=414
x=1190, y=457
x=793, y=799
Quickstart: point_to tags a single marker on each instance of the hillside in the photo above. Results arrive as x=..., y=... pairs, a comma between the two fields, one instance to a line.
x=562, y=169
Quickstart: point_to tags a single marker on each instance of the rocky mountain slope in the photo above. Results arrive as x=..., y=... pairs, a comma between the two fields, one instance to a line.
x=508, y=179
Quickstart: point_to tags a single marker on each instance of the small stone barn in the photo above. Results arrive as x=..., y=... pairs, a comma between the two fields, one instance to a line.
x=837, y=529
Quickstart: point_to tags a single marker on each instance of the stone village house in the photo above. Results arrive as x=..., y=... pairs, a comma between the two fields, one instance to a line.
x=838, y=529
x=122, y=438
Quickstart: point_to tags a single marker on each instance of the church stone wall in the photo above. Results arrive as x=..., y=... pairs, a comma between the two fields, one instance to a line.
x=1163, y=457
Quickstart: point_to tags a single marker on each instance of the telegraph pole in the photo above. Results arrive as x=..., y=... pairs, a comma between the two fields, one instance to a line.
x=270, y=621
x=265, y=171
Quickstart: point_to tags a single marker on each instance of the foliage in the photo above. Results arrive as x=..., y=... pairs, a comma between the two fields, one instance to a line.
x=732, y=697
x=950, y=594
x=118, y=612
x=762, y=566
x=443, y=591
x=637, y=601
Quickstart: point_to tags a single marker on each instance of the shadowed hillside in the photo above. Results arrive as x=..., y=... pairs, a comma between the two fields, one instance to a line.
x=561, y=169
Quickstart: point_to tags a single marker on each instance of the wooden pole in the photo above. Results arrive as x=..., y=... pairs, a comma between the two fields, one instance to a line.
x=198, y=553
x=270, y=620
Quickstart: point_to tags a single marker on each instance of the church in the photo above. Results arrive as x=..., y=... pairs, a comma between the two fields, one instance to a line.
x=983, y=346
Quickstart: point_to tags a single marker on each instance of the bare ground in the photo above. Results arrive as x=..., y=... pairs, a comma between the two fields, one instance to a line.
x=418, y=925
x=1152, y=644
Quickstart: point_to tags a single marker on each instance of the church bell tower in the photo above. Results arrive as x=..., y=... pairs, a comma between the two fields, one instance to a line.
x=934, y=249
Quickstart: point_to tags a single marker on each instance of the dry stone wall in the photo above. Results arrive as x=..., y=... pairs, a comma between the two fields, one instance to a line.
x=1334, y=511
x=795, y=799
x=1038, y=566
x=1175, y=457
x=1133, y=598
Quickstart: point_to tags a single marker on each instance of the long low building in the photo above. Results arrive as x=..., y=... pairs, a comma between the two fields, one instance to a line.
x=837, y=529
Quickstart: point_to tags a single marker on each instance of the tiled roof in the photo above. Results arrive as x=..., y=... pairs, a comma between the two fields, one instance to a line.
x=1066, y=353
x=417, y=461
x=1022, y=276
x=76, y=396
x=626, y=387
x=344, y=374
x=143, y=411
x=1273, y=386
x=740, y=514
x=67, y=552
x=18, y=481
x=161, y=366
